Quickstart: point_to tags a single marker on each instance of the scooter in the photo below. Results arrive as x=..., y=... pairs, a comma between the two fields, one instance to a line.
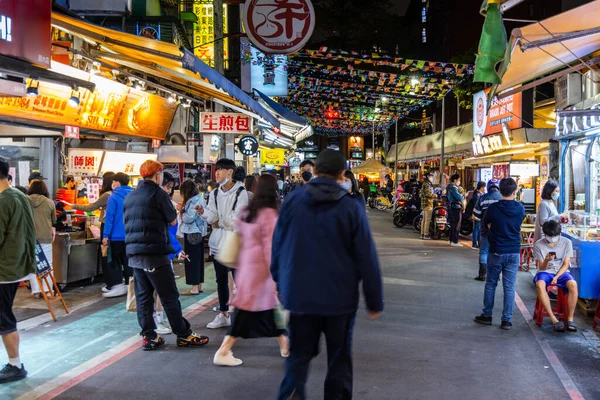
x=439, y=222
x=406, y=210
x=466, y=226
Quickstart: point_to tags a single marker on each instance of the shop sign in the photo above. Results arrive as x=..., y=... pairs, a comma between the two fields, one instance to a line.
x=272, y=156
x=112, y=107
x=279, y=26
x=204, y=31
x=128, y=163
x=295, y=162
x=267, y=73
x=217, y=122
x=25, y=30
x=155, y=143
x=508, y=110
x=524, y=169
x=578, y=124
x=71, y=132
x=11, y=88
x=84, y=161
x=248, y=146
x=93, y=192
x=356, y=147
x=489, y=144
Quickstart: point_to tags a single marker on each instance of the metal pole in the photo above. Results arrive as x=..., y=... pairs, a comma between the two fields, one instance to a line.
x=443, y=144
x=373, y=139
x=396, y=162
x=457, y=111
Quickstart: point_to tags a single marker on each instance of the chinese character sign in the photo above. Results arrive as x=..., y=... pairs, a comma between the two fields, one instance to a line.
x=71, y=132
x=272, y=156
x=42, y=265
x=248, y=146
x=204, y=32
x=279, y=26
x=93, y=192
x=215, y=122
x=84, y=161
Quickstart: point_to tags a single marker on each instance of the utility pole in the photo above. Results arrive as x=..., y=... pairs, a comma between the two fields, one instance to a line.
x=458, y=111
x=396, y=161
x=373, y=139
x=443, y=144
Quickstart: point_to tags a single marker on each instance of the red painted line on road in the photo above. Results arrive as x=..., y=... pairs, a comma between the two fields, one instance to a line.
x=110, y=361
x=555, y=363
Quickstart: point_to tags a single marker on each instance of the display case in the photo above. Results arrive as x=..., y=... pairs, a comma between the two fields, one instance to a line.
x=582, y=225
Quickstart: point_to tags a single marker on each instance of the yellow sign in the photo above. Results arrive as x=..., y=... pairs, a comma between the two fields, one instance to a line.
x=112, y=107
x=204, y=32
x=272, y=156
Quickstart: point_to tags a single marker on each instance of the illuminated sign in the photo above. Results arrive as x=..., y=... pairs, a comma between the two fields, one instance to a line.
x=5, y=28
x=204, y=31
x=25, y=30
x=71, y=132
x=248, y=146
x=84, y=161
x=112, y=107
x=272, y=156
x=217, y=122
x=508, y=110
x=488, y=144
x=268, y=73
x=356, y=147
x=128, y=163
x=524, y=169
x=578, y=124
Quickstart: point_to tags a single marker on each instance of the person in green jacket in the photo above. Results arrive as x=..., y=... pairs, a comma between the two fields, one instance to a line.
x=17, y=263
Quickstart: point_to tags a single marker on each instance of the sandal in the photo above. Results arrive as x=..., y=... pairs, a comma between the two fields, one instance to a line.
x=571, y=326
x=559, y=326
x=190, y=293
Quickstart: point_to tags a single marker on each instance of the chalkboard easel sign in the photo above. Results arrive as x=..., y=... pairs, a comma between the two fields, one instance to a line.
x=42, y=265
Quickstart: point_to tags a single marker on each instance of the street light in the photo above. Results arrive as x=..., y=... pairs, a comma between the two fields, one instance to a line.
x=414, y=81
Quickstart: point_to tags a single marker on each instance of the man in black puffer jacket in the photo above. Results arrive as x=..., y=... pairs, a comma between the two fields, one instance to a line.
x=148, y=213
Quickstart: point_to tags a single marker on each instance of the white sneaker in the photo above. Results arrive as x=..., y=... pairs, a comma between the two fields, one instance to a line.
x=162, y=326
x=226, y=361
x=116, y=291
x=105, y=289
x=456, y=245
x=220, y=321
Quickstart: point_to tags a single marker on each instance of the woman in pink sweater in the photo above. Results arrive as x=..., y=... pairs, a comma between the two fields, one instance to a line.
x=256, y=298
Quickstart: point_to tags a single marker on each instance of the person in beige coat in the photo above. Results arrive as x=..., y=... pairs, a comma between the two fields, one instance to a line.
x=44, y=219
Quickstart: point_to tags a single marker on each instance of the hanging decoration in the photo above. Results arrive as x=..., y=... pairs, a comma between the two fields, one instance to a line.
x=367, y=92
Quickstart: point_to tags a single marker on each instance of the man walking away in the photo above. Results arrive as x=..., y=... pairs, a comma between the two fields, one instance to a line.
x=479, y=190
x=492, y=196
x=455, y=200
x=148, y=215
x=17, y=262
x=114, y=236
x=427, y=197
x=323, y=217
x=504, y=220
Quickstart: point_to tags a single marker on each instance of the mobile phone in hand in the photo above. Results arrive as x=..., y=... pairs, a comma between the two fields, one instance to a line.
x=552, y=253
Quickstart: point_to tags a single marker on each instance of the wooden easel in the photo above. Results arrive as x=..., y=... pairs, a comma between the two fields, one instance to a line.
x=51, y=298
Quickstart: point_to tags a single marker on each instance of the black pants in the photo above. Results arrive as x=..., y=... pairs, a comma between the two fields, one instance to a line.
x=8, y=321
x=222, y=274
x=194, y=267
x=161, y=280
x=118, y=265
x=104, y=260
x=454, y=220
x=305, y=334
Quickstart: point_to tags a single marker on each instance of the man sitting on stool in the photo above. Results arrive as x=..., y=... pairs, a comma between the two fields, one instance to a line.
x=554, y=254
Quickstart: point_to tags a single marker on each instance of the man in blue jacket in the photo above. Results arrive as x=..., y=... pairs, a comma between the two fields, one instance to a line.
x=322, y=249
x=455, y=198
x=492, y=196
x=114, y=236
x=504, y=220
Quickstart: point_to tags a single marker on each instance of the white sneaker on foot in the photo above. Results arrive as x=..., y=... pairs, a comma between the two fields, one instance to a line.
x=105, y=289
x=162, y=326
x=116, y=291
x=456, y=245
x=220, y=321
x=226, y=360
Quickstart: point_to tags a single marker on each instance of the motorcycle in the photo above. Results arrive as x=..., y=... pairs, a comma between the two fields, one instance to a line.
x=439, y=221
x=406, y=210
x=466, y=226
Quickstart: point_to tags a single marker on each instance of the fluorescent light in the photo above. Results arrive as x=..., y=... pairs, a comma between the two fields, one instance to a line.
x=414, y=81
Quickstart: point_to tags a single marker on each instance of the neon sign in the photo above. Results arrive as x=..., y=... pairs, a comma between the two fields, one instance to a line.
x=5, y=28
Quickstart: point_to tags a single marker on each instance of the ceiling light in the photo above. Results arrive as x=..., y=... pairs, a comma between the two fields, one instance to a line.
x=74, y=100
x=33, y=90
x=172, y=98
x=138, y=85
x=186, y=103
x=377, y=109
x=384, y=99
x=95, y=68
x=414, y=81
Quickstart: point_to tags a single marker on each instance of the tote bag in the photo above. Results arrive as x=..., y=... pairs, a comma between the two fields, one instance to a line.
x=130, y=304
x=229, y=251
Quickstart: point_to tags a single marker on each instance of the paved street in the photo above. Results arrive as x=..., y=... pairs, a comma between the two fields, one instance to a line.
x=424, y=346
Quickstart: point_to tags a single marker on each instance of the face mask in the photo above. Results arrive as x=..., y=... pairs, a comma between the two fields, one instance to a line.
x=225, y=182
x=346, y=185
x=555, y=196
x=552, y=239
x=430, y=179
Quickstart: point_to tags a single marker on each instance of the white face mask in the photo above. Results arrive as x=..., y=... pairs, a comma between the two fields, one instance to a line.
x=552, y=239
x=346, y=185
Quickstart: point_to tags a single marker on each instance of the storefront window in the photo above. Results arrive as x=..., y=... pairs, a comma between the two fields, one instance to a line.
x=575, y=176
x=23, y=158
x=595, y=177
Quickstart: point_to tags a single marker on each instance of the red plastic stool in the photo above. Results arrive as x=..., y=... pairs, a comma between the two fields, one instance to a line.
x=560, y=311
x=597, y=316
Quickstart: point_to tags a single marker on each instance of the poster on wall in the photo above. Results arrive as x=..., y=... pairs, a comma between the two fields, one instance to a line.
x=24, y=171
x=267, y=73
x=501, y=171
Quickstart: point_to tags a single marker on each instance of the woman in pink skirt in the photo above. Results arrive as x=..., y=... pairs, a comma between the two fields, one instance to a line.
x=256, y=298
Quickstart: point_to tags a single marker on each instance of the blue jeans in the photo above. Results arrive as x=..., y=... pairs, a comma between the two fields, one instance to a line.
x=476, y=231
x=508, y=265
x=484, y=248
x=305, y=334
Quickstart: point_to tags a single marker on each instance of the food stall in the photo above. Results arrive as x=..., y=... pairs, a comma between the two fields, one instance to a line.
x=372, y=170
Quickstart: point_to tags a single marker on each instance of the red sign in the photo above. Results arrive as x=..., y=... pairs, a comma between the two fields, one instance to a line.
x=216, y=122
x=155, y=143
x=71, y=132
x=25, y=30
x=508, y=110
x=279, y=26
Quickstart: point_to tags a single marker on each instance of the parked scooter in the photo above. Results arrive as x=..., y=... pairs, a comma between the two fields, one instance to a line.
x=407, y=209
x=439, y=221
x=466, y=226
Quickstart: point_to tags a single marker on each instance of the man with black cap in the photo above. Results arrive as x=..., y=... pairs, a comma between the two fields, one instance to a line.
x=485, y=201
x=320, y=286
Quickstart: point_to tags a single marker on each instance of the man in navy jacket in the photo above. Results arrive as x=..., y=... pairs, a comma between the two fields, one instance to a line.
x=322, y=250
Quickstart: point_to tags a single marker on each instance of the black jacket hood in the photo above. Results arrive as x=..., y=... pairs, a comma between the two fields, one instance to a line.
x=323, y=190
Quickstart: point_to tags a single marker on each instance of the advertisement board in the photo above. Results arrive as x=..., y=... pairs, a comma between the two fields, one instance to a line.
x=84, y=162
x=25, y=30
x=272, y=156
x=265, y=73
x=129, y=163
x=219, y=122
x=112, y=107
x=516, y=111
x=204, y=31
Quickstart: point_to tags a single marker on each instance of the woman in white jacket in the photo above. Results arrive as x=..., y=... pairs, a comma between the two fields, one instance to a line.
x=224, y=206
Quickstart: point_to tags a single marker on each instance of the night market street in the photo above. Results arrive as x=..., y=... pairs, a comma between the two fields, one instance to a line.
x=424, y=346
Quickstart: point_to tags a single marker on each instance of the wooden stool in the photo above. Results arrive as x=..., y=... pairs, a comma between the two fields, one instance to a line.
x=560, y=311
x=54, y=297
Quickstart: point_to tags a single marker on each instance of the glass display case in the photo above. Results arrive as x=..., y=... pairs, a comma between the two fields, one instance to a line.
x=582, y=225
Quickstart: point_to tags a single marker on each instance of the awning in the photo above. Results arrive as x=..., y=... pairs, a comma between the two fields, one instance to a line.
x=281, y=110
x=370, y=167
x=456, y=139
x=519, y=152
x=163, y=60
x=524, y=66
x=16, y=67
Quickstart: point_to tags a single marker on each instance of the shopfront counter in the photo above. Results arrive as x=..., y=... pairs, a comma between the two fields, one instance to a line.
x=75, y=257
x=585, y=266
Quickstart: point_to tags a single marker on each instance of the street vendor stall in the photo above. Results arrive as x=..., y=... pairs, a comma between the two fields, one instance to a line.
x=373, y=170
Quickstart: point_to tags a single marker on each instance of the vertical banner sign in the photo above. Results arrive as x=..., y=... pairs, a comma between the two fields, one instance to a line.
x=204, y=32
x=279, y=26
x=71, y=132
x=155, y=143
x=93, y=192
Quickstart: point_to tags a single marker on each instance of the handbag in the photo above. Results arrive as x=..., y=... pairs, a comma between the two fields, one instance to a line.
x=194, y=238
x=229, y=251
x=282, y=317
x=130, y=304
